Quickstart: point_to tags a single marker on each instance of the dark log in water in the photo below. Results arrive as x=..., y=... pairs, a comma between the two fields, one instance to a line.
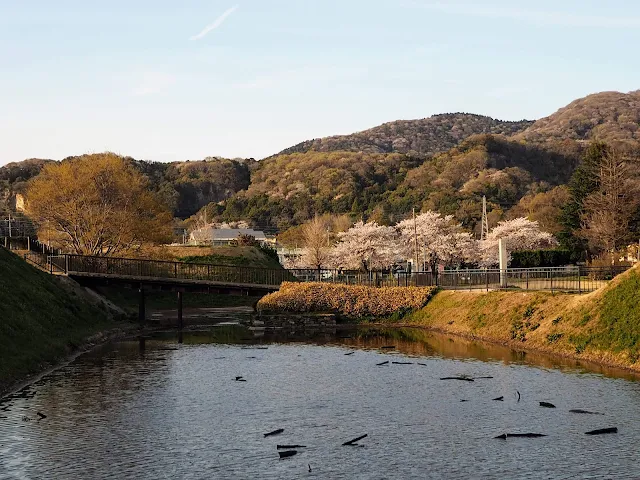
x=403, y=363
x=601, y=431
x=466, y=379
x=518, y=395
x=388, y=347
x=41, y=415
x=499, y=399
x=482, y=377
x=351, y=442
x=504, y=436
x=383, y=363
x=350, y=353
x=577, y=410
x=547, y=405
x=287, y=453
x=239, y=378
x=423, y=364
x=289, y=447
x=275, y=432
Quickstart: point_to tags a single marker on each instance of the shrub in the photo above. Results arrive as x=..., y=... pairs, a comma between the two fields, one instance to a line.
x=554, y=337
x=347, y=300
x=543, y=258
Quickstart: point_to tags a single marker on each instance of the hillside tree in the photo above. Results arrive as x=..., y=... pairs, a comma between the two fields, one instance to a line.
x=97, y=205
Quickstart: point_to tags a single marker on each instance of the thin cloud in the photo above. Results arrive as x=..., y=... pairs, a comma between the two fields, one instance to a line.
x=216, y=23
x=537, y=17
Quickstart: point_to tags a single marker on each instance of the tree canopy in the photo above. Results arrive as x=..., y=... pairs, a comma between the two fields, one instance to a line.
x=97, y=205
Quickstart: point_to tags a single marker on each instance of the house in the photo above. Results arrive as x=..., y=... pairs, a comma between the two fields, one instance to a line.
x=223, y=236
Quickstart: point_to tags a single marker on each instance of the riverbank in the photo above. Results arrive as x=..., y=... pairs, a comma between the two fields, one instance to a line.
x=601, y=327
x=44, y=319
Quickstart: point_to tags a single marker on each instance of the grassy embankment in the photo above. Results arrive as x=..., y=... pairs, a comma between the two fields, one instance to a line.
x=42, y=318
x=241, y=256
x=603, y=326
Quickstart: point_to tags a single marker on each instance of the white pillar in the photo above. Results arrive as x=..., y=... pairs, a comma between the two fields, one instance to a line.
x=502, y=248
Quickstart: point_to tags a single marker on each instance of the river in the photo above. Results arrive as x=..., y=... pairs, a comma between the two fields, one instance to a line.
x=176, y=411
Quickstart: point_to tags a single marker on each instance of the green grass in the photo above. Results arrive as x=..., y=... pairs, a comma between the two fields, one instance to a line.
x=128, y=299
x=40, y=319
x=619, y=323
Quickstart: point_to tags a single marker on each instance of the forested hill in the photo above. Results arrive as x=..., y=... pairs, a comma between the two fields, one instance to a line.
x=184, y=186
x=608, y=117
x=422, y=137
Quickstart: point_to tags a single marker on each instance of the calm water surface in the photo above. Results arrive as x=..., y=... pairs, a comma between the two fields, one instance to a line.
x=175, y=411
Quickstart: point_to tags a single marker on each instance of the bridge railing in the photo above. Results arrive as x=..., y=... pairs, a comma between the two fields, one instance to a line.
x=174, y=270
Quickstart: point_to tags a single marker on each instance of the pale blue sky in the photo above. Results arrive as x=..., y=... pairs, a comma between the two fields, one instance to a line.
x=176, y=80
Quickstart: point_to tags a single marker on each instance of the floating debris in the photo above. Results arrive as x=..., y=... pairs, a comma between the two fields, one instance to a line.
x=601, y=431
x=578, y=410
x=289, y=447
x=423, y=364
x=275, y=432
x=41, y=415
x=463, y=400
x=499, y=399
x=504, y=436
x=26, y=419
x=547, y=405
x=352, y=442
x=518, y=395
x=239, y=378
x=350, y=353
x=466, y=379
x=403, y=363
x=383, y=363
x=477, y=378
x=287, y=453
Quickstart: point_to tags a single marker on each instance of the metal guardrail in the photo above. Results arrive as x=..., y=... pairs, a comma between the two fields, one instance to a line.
x=566, y=279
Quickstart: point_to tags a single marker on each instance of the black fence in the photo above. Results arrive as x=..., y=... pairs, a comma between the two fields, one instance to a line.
x=566, y=279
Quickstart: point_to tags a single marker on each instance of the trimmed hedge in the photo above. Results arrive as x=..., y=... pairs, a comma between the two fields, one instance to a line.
x=346, y=300
x=543, y=258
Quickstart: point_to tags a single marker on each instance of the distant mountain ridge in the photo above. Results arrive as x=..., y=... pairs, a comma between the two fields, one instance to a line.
x=606, y=116
x=424, y=137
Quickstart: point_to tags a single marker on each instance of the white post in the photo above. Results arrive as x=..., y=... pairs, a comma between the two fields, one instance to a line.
x=502, y=248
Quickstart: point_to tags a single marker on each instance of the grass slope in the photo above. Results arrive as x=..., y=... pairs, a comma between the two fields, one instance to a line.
x=41, y=319
x=602, y=326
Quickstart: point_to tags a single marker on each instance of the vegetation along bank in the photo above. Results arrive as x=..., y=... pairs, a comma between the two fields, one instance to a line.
x=43, y=319
x=603, y=326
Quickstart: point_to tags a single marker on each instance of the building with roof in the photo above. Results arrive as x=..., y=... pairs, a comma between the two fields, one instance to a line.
x=223, y=236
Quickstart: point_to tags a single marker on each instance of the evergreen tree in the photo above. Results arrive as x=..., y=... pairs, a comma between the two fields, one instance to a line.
x=584, y=182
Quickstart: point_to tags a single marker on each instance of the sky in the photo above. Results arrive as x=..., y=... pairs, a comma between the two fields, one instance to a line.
x=167, y=81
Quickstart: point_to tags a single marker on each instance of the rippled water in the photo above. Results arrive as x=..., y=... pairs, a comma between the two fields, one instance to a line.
x=175, y=411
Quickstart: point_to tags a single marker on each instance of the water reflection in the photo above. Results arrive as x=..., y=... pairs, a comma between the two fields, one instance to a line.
x=175, y=411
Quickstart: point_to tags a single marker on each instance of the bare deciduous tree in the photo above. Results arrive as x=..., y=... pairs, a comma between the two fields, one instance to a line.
x=609, y=210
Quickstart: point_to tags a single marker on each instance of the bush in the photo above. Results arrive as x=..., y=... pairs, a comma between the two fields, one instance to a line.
x=347, y=300
x=543, y=258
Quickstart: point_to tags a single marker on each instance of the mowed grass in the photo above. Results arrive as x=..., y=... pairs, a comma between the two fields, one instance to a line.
x=41, y=319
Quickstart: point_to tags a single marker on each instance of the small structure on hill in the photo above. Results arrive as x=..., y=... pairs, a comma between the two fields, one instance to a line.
x=223, y=236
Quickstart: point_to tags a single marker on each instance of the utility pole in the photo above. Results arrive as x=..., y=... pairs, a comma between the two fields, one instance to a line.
x=484, y=233
x=9, y=224
x=415, y=238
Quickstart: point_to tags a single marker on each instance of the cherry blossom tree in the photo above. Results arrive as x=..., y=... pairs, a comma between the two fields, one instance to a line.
x=519, y=234
x=439, y=240
x=367, y=246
